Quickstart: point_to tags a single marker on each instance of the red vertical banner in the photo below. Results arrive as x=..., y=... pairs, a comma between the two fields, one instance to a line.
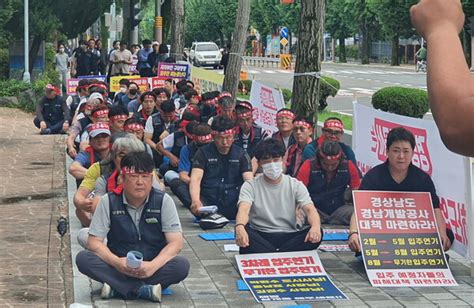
x=399, y=239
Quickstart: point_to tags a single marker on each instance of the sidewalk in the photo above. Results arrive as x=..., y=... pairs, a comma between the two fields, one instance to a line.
x=35, y=261
x=37, y=271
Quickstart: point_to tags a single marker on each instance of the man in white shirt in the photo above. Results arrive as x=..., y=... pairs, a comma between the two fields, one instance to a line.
x=121, y=60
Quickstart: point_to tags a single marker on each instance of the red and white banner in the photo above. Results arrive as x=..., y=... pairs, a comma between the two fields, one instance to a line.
x=399, y=239
x=450, y=172
x=266, y=101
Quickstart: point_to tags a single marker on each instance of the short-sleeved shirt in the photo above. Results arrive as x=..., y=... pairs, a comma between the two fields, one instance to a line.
x=100, y=224
x=276, y=207
x=84, y=158
x=379, y=178
x=91, y=176
x=120, y=55
x=200, y=161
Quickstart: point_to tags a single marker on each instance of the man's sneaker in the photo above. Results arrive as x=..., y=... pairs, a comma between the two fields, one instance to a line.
x=45, y=131
x=107, y=292
x=150, y=292
x=213, y=221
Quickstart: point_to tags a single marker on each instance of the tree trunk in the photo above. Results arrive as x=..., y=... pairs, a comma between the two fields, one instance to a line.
x=342, y=50
x=365, y=50
x=305, y=96
x=34, y=49
x=177, y=29
x=239, y=40
x=395, y=61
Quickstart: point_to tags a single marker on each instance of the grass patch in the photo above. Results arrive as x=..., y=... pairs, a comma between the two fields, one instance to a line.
x=347, y=120
x=244, y=96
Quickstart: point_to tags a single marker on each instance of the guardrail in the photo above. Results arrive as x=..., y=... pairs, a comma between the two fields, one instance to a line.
x=261, y=61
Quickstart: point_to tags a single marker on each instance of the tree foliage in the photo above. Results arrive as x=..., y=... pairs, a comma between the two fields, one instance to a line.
x=339, y=23
x=267, y=16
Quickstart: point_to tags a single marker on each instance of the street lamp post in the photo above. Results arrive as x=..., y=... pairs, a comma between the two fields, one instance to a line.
x=158, y=21
x=26, y=74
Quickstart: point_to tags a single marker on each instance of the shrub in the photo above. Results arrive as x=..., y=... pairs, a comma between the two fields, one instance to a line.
x=12, y=87
x=4, y=63
x=247, y=84
x=328, y=87
x=403, y=101
x=287, y=94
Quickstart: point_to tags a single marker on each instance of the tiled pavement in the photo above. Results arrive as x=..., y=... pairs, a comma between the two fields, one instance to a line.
x=35, y=265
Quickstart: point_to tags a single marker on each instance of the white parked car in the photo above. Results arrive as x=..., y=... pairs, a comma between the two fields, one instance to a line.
x=205, y=54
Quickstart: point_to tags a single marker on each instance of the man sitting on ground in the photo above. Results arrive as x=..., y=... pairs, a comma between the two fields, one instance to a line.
x=398, y=173
x=248, y=134
x=157, y=236
x=302, y=132
x=52, y=112
x=276, y=213
x=98, y=149
x=328, y=178
x=284, y=122
x=219, y=170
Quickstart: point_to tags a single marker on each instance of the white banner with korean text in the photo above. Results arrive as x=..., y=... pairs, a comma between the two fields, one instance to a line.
x=266, y=101
x=450, y=172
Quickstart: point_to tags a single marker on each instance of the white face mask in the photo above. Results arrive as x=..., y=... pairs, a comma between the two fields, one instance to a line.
x=273, y=170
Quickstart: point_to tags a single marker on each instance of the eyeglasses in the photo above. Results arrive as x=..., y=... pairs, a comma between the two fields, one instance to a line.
x=332, y=132
x=299, y=128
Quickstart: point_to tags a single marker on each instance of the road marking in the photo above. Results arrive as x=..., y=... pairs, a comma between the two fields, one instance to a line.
x=269, y=72
x=363, y=91
x=286, y=71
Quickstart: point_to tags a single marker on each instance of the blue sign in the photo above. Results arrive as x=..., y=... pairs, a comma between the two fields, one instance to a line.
x=284, y=32
x=294, y=288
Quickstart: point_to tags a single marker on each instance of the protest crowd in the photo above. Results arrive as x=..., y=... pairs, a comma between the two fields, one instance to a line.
x=132, y=145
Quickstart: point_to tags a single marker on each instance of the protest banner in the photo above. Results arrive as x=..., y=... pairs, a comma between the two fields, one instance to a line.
x=173, y=70
x=71, y=83
x=287, y=276
x=206, y=80
x=266, y=101
x=430, y=154
x=143, y=82
x=399, y=240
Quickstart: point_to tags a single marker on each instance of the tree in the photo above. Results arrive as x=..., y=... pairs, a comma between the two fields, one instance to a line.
x=365, y=19
x=177, y=28
x=308, y=62
x=394, y=17
x=339, y=24
x=239, y=38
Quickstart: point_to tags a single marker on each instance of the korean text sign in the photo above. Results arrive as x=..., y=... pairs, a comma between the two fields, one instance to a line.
x=173, y=70
x=287, y=276
x=399, y=239
x=266, y=102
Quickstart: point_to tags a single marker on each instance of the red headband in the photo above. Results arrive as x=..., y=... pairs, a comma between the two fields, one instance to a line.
x=333, y=124
x=333, y=157
x=224, y=94
x=226, y=132
x=51, y=87
x=133, y=126
x=302, y=123
x=149, y=96
x=128, y=170
x=100, y=112
x=203, y=139
x=286, y=114
x=183, y=123
x=245, y=114
x=119, y=117
x=99, y=125
x=99, y=85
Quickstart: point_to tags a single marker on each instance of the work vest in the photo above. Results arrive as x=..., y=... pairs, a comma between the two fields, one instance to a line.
x=159, y=127
x=142, y=116
x=251, y=143
x=180, y=140
x=123, y=236
x=278, y=136
x=222, y=179
x=53, y=110
x=328, y=197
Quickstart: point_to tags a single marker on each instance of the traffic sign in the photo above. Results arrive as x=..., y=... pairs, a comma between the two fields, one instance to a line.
x=284, y=32
x=284, y=42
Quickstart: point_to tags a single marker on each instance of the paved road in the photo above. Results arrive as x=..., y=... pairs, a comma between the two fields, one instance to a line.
x=363, y=80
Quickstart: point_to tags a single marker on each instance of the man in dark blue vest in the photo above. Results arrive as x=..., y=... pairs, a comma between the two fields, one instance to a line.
x=219, y=170
x=135, y=218
x=327, y=177
x=52, y=112
x=248, y=134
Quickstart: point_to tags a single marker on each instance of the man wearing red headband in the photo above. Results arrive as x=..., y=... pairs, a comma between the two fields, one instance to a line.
x=328, y=177
x=333, y=129
x=302, y=132
x=219, y=170
x=180, y=186
x=157, y=236
x=117, y=117
x=148, y=107
x=248, y=134
x=284, y=120
x=52, y=112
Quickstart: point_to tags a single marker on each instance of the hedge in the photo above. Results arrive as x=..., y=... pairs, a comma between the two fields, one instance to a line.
x=403, y=101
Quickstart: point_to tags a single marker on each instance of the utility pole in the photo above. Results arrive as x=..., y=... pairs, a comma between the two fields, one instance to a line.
x=26, y=74
x=158, y=21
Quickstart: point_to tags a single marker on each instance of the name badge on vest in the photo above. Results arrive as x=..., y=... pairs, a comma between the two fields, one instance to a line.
x=151, y=220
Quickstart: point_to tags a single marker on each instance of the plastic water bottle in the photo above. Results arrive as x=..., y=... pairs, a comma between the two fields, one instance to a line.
x=134, y=259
